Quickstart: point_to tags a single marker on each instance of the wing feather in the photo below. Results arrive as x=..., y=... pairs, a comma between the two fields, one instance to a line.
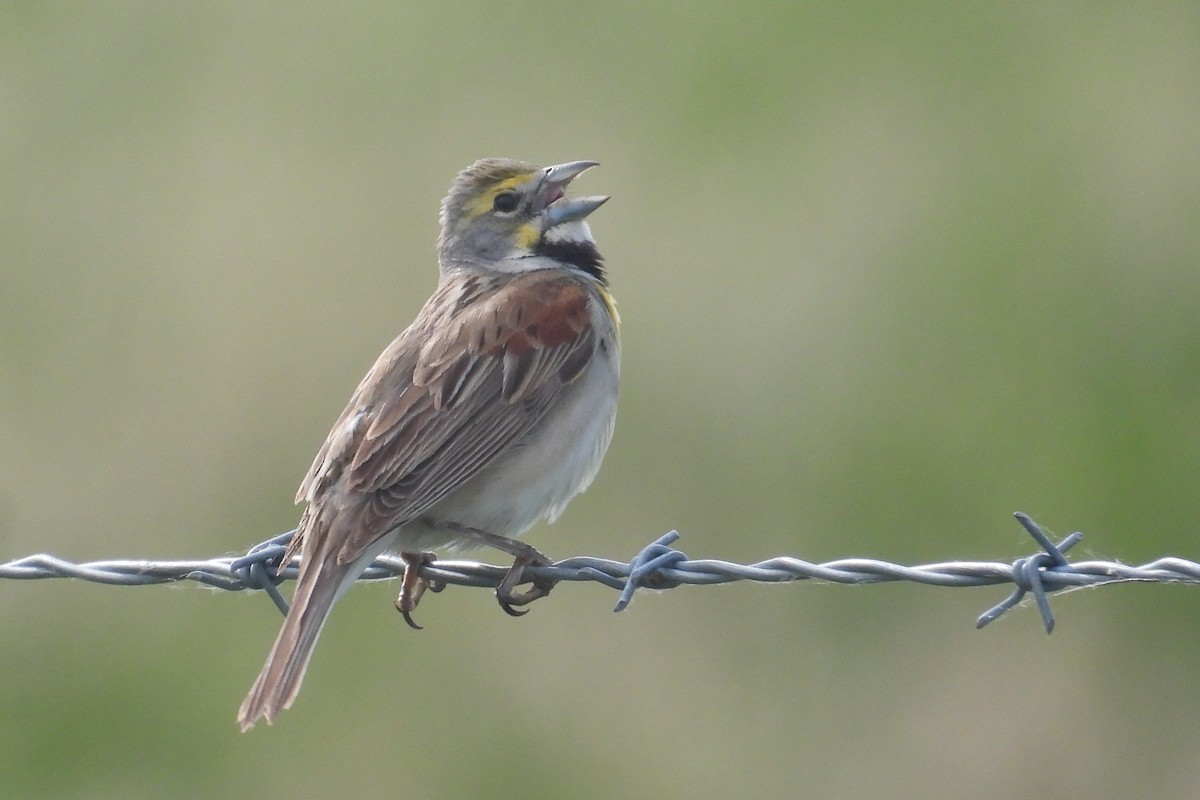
x=472, y=375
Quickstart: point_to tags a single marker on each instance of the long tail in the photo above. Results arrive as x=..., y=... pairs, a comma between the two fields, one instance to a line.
x=322, y=581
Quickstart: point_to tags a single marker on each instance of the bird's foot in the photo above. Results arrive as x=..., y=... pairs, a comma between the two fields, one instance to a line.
x=525, y=555
x=413, y=586
x=540, y=587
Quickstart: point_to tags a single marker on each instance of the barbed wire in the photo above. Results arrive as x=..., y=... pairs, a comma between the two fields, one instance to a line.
x=658, y=566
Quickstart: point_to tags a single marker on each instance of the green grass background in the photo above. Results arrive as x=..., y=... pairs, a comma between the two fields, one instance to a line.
x=887, y=274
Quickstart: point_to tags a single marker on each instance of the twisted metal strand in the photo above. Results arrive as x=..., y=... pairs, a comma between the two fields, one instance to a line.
x=658, y=566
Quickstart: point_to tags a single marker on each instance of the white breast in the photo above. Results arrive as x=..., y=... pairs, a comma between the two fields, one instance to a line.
x=538, y=476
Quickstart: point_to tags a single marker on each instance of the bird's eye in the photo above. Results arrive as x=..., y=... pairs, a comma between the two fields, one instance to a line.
x=506, y=202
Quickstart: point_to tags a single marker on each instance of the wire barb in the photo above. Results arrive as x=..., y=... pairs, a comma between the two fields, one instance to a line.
x=1028, y=572
x=647, y=567
x=260, y=568
x=658, y=566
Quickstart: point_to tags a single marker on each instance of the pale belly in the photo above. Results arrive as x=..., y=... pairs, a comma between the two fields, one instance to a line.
x=538, y=476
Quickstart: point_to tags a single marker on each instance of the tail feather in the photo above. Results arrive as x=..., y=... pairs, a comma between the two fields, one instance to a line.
x=319, y=587
x=321, y=583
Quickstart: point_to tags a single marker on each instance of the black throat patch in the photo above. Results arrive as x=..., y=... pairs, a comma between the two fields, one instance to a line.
x=581, y=255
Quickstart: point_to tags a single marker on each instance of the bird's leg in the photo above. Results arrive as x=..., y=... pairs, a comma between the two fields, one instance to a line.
x=412, y=585
x=524, y=555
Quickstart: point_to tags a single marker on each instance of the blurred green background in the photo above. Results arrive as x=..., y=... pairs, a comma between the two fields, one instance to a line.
x=887, y=274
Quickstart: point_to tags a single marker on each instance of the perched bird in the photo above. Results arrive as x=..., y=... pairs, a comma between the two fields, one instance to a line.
x=491, y=411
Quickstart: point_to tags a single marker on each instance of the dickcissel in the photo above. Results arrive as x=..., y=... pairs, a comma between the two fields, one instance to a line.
x=491, y=411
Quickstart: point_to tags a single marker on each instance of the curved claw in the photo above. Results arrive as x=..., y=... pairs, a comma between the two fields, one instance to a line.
x=412, y=586
x=508, y=598
x=508, y=609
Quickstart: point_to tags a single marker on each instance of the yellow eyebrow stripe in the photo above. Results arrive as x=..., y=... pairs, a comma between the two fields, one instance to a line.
x=483, y=203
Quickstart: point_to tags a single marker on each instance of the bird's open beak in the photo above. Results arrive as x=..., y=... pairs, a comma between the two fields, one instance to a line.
x=560, y=208
x=562, y=174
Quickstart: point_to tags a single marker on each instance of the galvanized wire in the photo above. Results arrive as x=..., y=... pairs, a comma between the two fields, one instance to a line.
x=657, y=566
